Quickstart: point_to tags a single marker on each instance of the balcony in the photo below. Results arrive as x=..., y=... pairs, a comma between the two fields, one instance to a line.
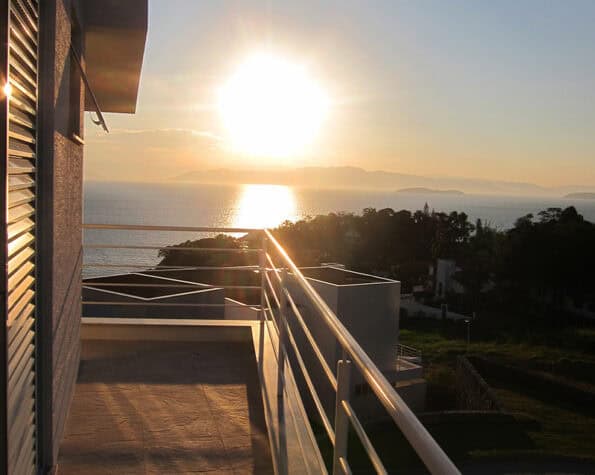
x=165, y=405
x=218, y=364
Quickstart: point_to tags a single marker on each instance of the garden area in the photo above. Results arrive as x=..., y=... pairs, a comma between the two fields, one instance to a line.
x=547, y=390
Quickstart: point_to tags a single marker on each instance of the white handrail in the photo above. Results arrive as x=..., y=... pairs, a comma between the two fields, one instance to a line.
x=420, y=439
x=142, y=227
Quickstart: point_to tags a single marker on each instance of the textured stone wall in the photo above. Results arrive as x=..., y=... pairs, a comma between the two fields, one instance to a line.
x=67, y=239
x=59, y=223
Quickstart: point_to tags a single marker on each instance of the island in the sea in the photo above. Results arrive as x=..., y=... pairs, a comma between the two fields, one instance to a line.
x=429, y=191
x=580, y=196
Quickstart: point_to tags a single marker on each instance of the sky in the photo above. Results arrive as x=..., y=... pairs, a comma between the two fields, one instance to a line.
x=499, y=90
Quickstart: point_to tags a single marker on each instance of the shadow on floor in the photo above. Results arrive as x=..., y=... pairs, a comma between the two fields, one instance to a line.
x=166, y=407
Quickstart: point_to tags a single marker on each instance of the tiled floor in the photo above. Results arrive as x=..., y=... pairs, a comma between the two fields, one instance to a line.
x=166, y=407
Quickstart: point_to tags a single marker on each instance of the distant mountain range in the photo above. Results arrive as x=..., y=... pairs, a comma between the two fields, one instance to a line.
x=430, y=191
x=353, y=177
x=580, y=196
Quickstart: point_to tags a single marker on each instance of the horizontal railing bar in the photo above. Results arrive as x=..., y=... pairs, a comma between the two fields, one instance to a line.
x=149, y=268
x=408, y=351
x=273, y=268
x=171, y=304
x=316, y=399
x=165, y=269
x=268, y=307
x=325, y=367
x=406, y=347
x=171, y=248
x=141, y=227
x=270, y=286
x=282, y=376
x=317, y=402
x=90, y=285
x=313, y=441
x=426, y=447
x=363, y=437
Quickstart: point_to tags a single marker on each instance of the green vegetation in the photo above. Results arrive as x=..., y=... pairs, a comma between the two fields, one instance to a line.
x=189, y=254
x=539, y=432
x=534, y=269
x=561, y=428
x=561, y=431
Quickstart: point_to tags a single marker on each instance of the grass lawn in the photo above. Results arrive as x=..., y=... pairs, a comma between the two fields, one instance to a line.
x=553, y=431
x=561, y=430
x=441, y=349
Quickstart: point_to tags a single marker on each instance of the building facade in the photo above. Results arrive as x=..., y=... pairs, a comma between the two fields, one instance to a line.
x=55, y=63
x=368, y=306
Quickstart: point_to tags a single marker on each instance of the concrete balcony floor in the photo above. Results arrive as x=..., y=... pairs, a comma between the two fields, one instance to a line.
x=166, y=407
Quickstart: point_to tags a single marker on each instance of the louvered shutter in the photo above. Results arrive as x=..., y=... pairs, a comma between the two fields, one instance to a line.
x=20, y=214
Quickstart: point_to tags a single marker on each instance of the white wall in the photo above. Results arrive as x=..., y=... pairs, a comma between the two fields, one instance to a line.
x=235, y=310
x=369, y=311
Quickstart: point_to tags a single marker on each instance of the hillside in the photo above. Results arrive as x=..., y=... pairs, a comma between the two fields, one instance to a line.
x=430, y=191
x=580, y=196
x=358, y=178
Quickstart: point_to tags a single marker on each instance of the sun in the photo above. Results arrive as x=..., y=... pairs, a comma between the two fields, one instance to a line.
x=271, y=107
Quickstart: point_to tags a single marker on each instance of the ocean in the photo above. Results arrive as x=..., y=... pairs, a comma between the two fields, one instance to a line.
x=256, y=206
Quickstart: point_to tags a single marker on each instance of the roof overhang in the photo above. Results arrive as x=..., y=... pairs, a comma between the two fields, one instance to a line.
x=115, y=36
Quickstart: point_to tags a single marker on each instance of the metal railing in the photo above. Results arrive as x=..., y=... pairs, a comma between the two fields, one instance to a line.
x=174, y=290
x=422, y=442
x=408, y=352
x=276, y=280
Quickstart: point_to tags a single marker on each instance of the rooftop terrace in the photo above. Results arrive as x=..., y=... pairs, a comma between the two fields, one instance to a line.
x=144, y=286
x=338, y=276
x=166, y=407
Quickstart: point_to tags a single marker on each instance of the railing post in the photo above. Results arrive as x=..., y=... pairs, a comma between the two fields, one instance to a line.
x=282, y=330
x=262, y=260
x=262, y=263
x=341, y=420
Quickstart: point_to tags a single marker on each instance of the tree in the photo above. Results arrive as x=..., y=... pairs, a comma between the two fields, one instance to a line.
x=189, y=256
x=549, y=260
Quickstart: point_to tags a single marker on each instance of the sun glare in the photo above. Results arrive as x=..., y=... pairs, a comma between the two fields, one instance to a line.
x=264, y=206
x=271, y=107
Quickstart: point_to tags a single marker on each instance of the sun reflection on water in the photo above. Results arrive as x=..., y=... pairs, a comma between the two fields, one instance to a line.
x=264, y=206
